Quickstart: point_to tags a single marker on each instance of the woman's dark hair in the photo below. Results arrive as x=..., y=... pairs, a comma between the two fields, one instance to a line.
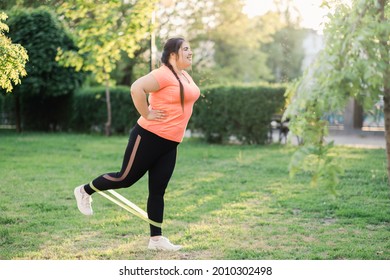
x=173, y=46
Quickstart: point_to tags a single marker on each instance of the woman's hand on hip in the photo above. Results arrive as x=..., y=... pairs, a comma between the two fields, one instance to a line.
x=156, y=115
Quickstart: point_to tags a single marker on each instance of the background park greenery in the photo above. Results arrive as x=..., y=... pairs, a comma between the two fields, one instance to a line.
x=80, y=58
x=109, y=44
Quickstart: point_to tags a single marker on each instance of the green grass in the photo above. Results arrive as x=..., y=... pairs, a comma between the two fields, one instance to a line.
x=223, y=202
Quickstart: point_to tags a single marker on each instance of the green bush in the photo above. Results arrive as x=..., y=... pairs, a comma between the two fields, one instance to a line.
x=89, y=111
x=45, y=93
x=244, y=112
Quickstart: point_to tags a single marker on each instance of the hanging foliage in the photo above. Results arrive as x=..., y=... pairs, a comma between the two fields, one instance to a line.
x=13, y=58
x=353, y=64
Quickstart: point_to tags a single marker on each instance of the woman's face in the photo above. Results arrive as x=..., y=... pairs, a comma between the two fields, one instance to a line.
x=184, y=59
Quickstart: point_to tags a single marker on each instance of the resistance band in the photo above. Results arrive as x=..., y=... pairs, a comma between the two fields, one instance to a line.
x=127, y=205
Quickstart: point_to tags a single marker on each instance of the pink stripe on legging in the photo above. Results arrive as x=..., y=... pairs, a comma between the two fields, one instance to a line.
x=129, y=165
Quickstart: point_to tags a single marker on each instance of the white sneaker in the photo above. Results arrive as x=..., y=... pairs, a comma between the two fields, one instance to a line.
x=163, y=244
x=83, y=201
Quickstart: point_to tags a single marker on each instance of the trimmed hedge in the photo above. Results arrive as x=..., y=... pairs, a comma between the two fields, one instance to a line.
x=243, y=112
x=90, y=110
x=37, y=113
x=7, y=110
x=222, y=112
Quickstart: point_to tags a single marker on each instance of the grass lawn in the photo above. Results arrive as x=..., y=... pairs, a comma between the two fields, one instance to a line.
x=223, y=202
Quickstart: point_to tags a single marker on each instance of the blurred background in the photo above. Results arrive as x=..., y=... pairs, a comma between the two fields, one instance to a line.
x=80, y=44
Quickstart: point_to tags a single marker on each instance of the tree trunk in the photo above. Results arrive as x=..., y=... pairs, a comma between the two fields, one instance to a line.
x=386, y=85
x=18, y=121
x=386, y=100
x=353, y=116
x=108, y=103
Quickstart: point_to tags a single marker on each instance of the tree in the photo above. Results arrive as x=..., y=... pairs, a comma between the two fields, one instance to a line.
x=286, y=53
x=103, y=29
x=39, y=31
x=9, y=4
x=285, y=50
x=354, y=63
x=13, y=58
x=237, y=43
x=226, y=43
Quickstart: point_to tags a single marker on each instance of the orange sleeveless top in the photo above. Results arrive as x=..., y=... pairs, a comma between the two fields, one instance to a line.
x=167, y=98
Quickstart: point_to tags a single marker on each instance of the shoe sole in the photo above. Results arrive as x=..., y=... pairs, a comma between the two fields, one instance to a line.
x=163, y=249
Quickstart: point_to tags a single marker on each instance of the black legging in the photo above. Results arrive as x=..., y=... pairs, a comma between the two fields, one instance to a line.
x=145, y=152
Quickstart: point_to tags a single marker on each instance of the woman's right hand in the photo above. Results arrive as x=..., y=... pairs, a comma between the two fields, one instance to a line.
x=156, y=115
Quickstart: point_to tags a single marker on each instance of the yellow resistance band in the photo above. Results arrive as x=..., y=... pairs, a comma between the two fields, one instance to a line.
x=127, y=205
